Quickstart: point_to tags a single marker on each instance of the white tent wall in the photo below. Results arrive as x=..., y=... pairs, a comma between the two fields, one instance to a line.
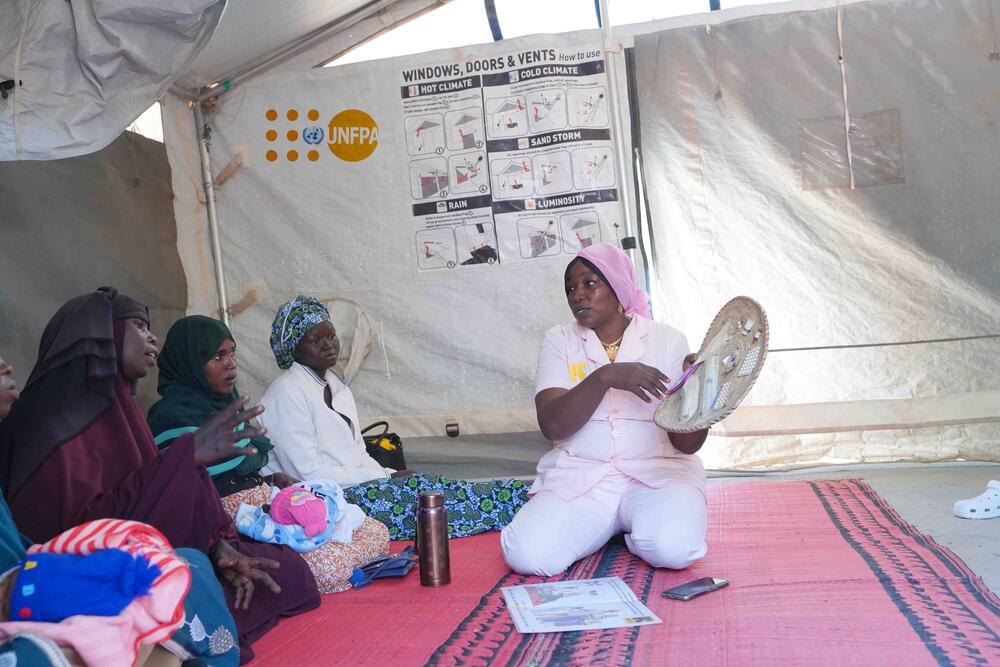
x=73, y=225
x=746, y=168
x=459, y=344
x=726, y=178
x=346, y=25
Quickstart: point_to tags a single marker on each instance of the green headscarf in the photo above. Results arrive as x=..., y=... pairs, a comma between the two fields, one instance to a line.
x=187, y=400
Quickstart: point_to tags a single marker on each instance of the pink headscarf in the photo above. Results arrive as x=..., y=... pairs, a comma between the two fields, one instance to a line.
x=619, y=271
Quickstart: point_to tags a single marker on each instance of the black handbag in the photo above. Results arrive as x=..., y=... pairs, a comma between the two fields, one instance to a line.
x=384, y=447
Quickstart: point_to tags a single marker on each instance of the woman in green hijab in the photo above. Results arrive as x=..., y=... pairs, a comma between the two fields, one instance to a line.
x=197, y=380
x=198, y=373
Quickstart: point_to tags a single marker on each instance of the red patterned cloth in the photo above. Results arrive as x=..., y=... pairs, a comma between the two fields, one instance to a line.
x=821, y=573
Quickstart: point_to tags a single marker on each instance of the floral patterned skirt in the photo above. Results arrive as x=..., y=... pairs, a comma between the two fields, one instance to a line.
x=333, y=562
x=473, y=507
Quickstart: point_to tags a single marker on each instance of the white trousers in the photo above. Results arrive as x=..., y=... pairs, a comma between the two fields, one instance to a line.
x=665, y=527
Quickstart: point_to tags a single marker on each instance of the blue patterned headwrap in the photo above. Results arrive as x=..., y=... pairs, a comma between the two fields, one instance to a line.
x=291, y=323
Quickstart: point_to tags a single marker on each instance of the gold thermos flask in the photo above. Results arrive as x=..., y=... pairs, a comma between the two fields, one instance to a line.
x=432, y=539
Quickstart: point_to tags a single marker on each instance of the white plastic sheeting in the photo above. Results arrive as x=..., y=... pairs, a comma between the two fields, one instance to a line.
x=88, y=69
x=459, y=344
x=749, y=175
x=748, y=171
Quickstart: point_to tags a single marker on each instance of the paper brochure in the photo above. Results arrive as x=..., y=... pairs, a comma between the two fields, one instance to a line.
x=565, y=606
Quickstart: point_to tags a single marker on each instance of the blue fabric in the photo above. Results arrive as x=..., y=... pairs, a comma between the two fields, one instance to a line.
x=216, y=469
x=256, y=524
x=50, y=587
x=473, y=507
x=31, y=651
x=13, y=545
x=209, y=631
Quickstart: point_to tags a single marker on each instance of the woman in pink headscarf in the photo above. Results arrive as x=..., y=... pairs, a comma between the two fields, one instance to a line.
x=612, y=469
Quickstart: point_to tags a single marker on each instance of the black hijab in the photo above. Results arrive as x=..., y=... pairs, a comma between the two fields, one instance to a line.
x=71, y=384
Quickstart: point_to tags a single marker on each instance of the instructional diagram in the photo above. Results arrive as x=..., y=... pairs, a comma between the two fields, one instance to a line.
x=510, y=157
x=552, y=173
x=429, y=178
x=588, y=107
x=476, y=244
x=436, y=249
x=512, y=178
x=467, y=172
x=424, y=134
x=465, y=128
x=538, y=237
x=546, y=110
x=507, y=117
x=593, y=168
x=580, y=230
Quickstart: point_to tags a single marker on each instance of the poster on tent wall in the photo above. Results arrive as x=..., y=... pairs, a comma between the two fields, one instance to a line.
x=510, y=157
x=324, y=204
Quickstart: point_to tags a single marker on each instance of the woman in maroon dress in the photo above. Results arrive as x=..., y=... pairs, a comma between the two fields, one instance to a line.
x=76, y=447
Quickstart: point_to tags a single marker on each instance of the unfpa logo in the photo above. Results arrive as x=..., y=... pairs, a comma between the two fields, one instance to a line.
x=352, y=135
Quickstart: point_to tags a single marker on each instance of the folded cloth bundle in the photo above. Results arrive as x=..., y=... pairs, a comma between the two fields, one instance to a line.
x=51, y=587
x=338, y=523
x=110, y=641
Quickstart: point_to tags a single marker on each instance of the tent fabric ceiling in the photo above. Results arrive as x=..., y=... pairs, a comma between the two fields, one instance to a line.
x=86, y=70
x=250, y=30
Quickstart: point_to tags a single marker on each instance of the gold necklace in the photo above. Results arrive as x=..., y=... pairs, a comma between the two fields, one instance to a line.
x=611, y=349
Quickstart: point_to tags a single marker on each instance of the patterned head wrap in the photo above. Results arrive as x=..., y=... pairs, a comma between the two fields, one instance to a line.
x=291, y=323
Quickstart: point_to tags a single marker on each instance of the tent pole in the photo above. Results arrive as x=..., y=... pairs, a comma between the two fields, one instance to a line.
x=213, y=220
x=612, y=54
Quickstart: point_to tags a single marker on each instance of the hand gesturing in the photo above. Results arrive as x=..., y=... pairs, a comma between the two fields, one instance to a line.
x=216, y=439
x=642, y=380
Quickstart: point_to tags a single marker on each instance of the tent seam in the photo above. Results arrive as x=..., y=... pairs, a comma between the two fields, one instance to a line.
x=843, y=79
x=17, y=78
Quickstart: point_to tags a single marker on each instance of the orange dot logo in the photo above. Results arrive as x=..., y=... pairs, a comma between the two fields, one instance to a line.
x=353, y=135
x=292, y=156
x=292, y=114
x=271, y=156
x=313, y=115
x=271, y=115
x=313, y=155
x=271, y=135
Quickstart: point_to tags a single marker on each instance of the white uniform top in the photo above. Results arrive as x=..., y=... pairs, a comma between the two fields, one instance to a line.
x=311, y=441
x=621, y=434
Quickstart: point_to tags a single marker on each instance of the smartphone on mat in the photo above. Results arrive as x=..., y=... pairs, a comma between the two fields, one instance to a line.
x=693, y=589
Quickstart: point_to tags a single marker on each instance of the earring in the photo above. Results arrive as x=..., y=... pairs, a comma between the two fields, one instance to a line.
x=620, y=309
